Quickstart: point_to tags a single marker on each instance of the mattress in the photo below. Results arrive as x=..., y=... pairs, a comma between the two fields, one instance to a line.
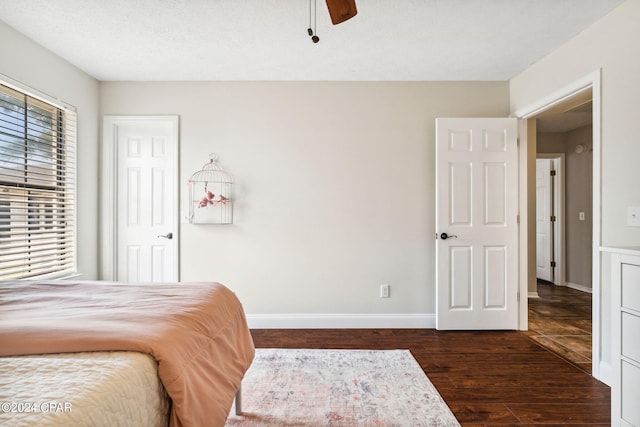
x=119, y=388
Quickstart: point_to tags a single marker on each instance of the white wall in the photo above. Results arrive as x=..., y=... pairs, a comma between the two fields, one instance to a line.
x=579, y=198
x=335, y=186
x=612, y=45
x=37, y=68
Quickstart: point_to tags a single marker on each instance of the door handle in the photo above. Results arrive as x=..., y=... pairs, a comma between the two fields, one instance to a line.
x=445, y=236
x=166, y=236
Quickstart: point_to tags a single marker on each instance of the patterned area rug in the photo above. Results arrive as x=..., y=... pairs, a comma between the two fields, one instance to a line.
x=339, y=388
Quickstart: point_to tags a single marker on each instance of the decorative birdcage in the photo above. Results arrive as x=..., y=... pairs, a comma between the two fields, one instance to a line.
x=211, y=195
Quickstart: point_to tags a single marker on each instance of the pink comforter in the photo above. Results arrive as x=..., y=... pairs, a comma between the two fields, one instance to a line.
x=196, y=331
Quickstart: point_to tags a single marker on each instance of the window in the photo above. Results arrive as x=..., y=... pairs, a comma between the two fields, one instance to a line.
x=37, y=187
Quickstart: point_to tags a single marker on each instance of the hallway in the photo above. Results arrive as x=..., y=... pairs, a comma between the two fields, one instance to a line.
x=560, y=320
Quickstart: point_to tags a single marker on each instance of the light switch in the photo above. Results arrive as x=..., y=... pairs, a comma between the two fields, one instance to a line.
x=633, y=216
x=581, y=216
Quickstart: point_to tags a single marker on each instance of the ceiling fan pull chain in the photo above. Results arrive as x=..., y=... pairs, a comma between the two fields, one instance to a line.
x=309, y=30
x=313, y=11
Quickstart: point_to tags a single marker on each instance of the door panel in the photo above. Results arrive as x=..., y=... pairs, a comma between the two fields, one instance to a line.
x=460, y=193
x=460, y=267
x=494, y=193
x=495, y=281
x=477, y=208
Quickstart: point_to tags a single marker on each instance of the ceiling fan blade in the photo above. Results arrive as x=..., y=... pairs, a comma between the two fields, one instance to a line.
x=341, y=10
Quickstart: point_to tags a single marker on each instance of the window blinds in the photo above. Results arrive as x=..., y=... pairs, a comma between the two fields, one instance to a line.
x=37, y=187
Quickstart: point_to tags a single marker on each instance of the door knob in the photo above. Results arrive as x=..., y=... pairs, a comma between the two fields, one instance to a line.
x=445, y=236
x=166, y=236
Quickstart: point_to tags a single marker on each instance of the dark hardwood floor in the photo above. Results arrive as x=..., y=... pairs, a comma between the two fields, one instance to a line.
x=487, y=378
x=560, y=320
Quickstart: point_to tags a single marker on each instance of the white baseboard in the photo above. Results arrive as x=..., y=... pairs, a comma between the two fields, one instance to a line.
x=341, y=321
x=578, y=287
x=533, y=295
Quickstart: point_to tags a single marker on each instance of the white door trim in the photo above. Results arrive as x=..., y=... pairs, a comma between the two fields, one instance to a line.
x=108, y=209
x=592, y=81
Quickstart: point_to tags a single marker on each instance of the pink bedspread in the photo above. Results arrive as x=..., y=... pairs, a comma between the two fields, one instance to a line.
x=196, y=331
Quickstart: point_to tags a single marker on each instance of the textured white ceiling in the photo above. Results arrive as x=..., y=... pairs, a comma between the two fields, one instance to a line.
x=267, y=39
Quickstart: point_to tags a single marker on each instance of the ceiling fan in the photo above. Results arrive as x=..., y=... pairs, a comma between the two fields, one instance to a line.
x=339, y=11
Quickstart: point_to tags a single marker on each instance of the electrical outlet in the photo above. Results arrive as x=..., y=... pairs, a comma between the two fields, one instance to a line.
x=384, y=291
x=633, y=216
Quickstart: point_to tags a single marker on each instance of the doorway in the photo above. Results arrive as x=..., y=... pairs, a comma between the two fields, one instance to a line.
x=140, y=199
x=560, y=306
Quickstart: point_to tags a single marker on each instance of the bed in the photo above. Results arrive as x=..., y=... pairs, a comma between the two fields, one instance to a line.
x=80, y=352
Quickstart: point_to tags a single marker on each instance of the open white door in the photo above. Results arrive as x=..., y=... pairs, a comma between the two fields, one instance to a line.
x=544, y=220
x=141, y=183
x=477, y=223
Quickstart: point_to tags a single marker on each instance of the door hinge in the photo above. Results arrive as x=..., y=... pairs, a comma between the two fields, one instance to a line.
x=553, y=218
x=518, y=219
x=518, y=296
x=553, y=263
x=552, y=172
